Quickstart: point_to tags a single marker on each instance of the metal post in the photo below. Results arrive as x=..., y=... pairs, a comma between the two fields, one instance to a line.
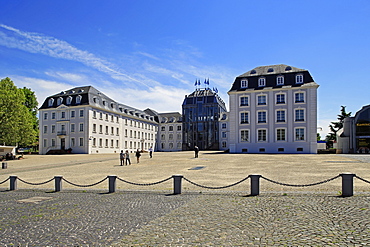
x=177, y=184
x=13, y=182
x=58, y=183
x=347, y=183
x=255, y=184
x=112, y=183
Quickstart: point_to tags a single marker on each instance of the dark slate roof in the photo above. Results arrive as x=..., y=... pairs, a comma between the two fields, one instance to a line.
x=211, y=98
x=270, y=72
x=92, y=96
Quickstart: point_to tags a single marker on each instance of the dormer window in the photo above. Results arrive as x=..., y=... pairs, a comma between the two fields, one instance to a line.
x=262, y=82
x=78, y=99
x=288, y=68
x=69, y=100
x=112, y=105
x=280, y=80
x=299, y=78
x=270, y=70
x=51, y=102
x=244, y=83
x=59, y=101
x=253, y=72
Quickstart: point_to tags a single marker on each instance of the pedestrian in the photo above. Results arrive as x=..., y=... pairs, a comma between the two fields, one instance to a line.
x=151, y=152
x=122, y=158
x=138, y=154
x=196, y=151
x=128, y=161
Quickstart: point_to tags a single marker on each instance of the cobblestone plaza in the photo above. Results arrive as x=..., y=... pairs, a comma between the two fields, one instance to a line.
x=152, y=216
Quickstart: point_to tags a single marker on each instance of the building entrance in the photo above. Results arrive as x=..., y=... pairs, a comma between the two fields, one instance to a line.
x=363, y=145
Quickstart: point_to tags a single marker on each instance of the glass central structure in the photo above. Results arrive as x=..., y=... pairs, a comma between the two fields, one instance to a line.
x=201, y=111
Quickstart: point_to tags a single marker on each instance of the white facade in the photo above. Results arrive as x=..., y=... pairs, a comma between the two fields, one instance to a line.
x=265, y=118
x=169, y=137
x=224, y=131
x=86, y=121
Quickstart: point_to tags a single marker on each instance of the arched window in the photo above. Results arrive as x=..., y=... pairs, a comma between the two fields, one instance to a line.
x=51, y=102
x=59, y=101
x=78, y=99
x=69, y=100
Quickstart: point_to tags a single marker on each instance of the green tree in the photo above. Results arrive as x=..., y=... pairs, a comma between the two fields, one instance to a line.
x=17, y=125
x=336, y=126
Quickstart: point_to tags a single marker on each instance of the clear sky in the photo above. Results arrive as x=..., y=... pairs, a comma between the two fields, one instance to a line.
x=149, y=53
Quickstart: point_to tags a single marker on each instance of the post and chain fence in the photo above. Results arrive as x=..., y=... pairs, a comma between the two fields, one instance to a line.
x=346, y=184
x=300, y=185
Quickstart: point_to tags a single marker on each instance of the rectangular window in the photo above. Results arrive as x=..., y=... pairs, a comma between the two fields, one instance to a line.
x=45, y=129
x=94, y=114
x=179, y=128
x=63, y=114
x=112, y=130
x=170, y=128
x=73, y=114
x=81, y=113
x=163, y=128
x=244, y=83
x=244, y=118
x=280, y=99
x=53, y=129
x=280, y=116
x=94, y=128
x=45, y=116
x=94, y=142
x=81, y=127
x=224, y=144
x=261, y=117
x=262, y=135
x=280, y=134
x=53, y=115
x=223, y=125
x=73, y=142
x=53, y=142
x=299, y=98
x=72, y=127
x=299, y=115
x=244, y=101
x=224, y=135
x=280, y=80
x=81, y=142
x=261, y=100
x=299, y=79
x=45, y=143
x=244, y=135
x=262, y=82
x=299, y=134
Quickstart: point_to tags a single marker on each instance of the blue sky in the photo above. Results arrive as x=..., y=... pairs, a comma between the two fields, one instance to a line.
x=148, y=53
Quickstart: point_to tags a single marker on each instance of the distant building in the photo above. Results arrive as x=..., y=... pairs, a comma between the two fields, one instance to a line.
x=84, y=120
x=354, y=137
x=169, y=137
x=201, y=111
x=273, y=109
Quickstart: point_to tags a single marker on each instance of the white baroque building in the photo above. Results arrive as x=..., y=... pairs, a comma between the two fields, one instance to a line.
x=273, y=109
x=169, y=137
x=84, y=120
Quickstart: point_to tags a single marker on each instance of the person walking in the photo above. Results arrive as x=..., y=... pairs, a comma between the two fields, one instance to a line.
x=138, y=154
x=196, y=151
x=122, y=158
x=127, y=156
x=151, y=152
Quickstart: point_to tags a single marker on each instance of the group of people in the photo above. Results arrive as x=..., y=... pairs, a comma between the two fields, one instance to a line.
x=125, y=156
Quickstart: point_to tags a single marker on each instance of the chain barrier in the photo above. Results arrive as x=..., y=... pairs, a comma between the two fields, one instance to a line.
x=36, y=183
x=147, y=184
x=300, y=185
x=362, y=179
x=5, y=180
x=88, y=185
x=215, y=188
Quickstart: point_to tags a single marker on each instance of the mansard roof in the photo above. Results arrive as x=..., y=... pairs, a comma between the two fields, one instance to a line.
x=270, y=74
x=88, y=95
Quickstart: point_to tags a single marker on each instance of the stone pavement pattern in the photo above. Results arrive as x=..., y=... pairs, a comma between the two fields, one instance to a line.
x=78, y=218
x=268, y=220
x=155, y=219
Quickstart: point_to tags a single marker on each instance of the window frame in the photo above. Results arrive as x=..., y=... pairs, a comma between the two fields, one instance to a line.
x=278, y=135
x=246, y=133
x=259, y=135
x=261, y=102
x=261, y=117
x=244, y=100
x=262, y=82
x=280, y=80
x=244, y=117
x=244, y=83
